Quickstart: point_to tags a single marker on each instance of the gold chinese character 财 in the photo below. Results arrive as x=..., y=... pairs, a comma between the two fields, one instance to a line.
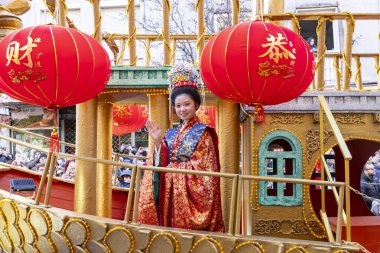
x=13, y=52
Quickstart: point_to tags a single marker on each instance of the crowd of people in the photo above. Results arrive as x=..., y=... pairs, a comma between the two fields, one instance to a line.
x=370, y=183
x=124, y=174
x=65, y=168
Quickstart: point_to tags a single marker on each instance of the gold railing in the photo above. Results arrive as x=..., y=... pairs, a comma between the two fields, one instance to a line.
x=358, y=78
x=134, y=192
x=341, y=186
x=170, y=40
x=345, y=71
x=47, y=140
x=324, y=109
x=347, y=54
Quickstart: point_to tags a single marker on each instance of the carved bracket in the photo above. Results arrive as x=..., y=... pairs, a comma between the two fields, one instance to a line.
x=312, y=141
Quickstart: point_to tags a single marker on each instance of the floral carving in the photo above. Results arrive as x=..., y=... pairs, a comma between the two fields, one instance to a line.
x=312, y=141
x=287, y=118
x=344, y=118
x=267, y=227
x=298, y=227
x=347, y=118
x=377, y=117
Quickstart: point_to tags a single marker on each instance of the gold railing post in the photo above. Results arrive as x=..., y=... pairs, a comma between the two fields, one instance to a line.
x=62, y=12
x=130, y=195
x=377, y=66
x=137, y=195
x=231, y=225
x=115, y=170
x=147, y=52
x=347, y=157
x=166, y=31
x=347, y=53
x=50, y=179
x=259, y=7
x=277, y=7
x=173, y=46
x=238, y=206
x=338, y=74
x=201, y=28
x=348, y=201
x=335, y=192
x=320, y=55
x=132, y=33
x=43, y=179
x=338, y=238
x=295, y=24
x=120, y=57
x=358, y=75
x=322, y=147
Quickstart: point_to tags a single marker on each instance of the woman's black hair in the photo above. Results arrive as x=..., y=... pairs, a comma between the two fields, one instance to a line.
x=189, y=90
x=309, y=39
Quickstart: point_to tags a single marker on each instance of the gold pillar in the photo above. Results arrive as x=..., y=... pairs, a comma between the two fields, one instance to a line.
x=86, y=143
x=276, y=7
x=104, y=172
x=85, y=176
x=228, y=133
x=159, y=112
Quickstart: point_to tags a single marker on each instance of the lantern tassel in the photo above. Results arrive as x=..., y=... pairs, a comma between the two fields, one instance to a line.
x=259, y=115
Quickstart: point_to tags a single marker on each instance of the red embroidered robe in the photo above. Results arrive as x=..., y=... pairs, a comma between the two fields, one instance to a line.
x=185, y=201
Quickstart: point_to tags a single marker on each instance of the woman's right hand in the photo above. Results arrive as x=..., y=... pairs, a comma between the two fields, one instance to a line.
x=154, y=131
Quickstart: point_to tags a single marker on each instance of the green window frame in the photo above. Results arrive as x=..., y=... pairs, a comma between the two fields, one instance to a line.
x=272, y=193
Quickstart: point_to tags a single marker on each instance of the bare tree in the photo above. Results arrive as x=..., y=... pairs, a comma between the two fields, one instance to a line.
x=183, y=20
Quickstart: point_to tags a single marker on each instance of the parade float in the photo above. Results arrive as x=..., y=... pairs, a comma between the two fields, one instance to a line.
x=271, y=203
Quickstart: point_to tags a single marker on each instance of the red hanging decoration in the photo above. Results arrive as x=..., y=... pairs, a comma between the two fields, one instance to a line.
x=129, y=118
x=54, y=141
x=257, y=64
x=52, y=66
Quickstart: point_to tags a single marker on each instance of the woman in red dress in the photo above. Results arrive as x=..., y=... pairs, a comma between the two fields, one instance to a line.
x=180, y=200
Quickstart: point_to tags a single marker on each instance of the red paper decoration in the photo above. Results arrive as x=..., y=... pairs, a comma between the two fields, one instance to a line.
x=54, y=141
x=129, y=118
x=52, y=66
x=206, y=115
x=257, y=63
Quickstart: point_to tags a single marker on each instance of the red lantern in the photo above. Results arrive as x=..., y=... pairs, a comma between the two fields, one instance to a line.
x=257, y=63
x=206, y=115
x=129, y=118
x=52, y=66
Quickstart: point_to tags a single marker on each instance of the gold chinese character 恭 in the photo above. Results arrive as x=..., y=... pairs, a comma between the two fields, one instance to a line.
x=276, y=49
